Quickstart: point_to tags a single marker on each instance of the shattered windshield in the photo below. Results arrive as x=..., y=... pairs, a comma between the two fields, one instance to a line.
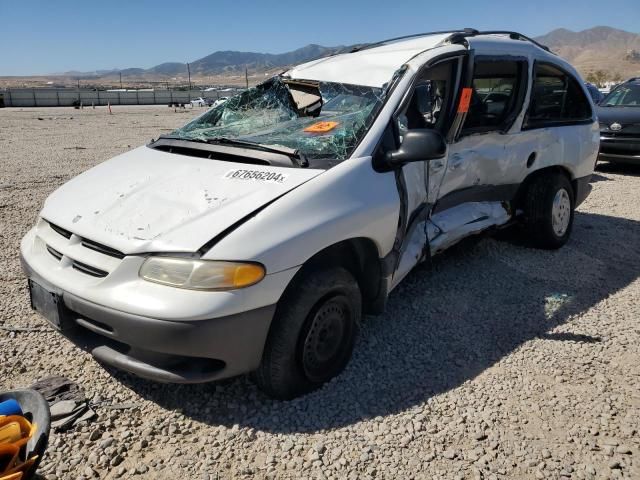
x=322, y=120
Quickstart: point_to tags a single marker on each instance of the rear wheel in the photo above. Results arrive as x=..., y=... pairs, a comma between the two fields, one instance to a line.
x=312, y=334
x=549, y=210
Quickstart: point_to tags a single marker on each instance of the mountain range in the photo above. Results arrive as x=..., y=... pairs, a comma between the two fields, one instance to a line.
x=225, y=62
x=599, y=48
x=613, y=51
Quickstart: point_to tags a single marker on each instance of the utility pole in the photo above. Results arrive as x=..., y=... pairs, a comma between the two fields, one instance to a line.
x=120, y=80
x=246, y=76
x=189, y=72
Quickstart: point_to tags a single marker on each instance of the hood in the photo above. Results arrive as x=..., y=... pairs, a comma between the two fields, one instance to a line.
x=621, y=115
x=147, y=200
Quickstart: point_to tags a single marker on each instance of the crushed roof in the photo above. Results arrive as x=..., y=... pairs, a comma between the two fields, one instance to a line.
x=371, y=66
x=375, y=65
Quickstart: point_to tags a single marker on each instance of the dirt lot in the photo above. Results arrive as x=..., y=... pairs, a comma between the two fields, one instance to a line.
x=500, y=362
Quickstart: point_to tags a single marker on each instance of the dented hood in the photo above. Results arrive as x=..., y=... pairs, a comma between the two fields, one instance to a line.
x=151, y=201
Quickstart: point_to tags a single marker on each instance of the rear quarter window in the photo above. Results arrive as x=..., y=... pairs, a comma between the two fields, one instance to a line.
x=557, y=98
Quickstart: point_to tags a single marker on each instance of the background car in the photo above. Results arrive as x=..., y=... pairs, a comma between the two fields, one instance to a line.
x=198, y=102
x=596, y=94
x=619, y=117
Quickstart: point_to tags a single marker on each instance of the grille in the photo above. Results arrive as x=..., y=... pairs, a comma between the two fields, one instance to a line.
x=81, y=267
x=88, y=269
x=627, y=130
x=85, y=262
x=95, y=246
x=112, y=252
x=54, y=252
x=60, y=230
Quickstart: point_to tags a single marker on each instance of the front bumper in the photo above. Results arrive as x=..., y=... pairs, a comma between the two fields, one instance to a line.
x=152, y=330
x=620, y=158
x=620, y=149
x=164, y=350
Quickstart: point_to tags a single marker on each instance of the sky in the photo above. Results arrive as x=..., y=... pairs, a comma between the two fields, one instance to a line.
x=45, y=36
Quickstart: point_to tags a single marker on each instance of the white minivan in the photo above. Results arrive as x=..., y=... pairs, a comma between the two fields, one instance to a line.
x=255, y=238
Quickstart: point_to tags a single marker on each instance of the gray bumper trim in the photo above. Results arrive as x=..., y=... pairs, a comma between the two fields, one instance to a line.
x=620, y=158
x=583, y=189
x=190, y=351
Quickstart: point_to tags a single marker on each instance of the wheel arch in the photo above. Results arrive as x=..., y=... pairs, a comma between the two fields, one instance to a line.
x=360, y=257
x=558, y=169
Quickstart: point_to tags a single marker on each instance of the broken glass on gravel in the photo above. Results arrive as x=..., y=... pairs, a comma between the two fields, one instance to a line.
x=322, y=120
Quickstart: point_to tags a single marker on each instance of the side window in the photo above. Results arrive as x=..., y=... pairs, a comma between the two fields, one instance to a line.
x=496, y=94
x=556, y=98
x=431, y=99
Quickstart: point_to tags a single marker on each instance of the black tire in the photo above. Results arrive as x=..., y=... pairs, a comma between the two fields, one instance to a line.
x=539, y=211
x=312, y=333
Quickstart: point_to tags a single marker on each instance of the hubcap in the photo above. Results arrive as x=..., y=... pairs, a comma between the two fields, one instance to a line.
x=561, y=212
x=324, y=344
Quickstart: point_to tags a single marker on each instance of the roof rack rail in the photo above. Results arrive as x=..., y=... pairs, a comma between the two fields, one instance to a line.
x=366, y=46
x=512, y=35
x=456, y=36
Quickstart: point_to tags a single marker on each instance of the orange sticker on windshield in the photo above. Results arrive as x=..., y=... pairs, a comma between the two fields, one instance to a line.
x=465, y=100
x=321, y=127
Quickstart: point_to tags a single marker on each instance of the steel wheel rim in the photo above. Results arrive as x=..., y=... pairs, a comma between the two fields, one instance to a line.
x=324, y=344
x=561, y=212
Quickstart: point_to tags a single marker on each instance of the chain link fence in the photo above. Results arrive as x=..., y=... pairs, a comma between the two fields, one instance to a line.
x=66, y=97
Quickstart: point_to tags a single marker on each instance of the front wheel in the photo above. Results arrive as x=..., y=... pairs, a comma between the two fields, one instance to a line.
x=549, y=211
x=312, y=334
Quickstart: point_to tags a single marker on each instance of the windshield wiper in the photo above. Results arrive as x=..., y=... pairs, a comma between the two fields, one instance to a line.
x=296, y=156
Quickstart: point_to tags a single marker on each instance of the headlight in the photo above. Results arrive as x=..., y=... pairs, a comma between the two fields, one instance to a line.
x=201, y=274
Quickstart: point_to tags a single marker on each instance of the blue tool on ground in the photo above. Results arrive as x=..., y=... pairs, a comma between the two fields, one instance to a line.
x=10, y=407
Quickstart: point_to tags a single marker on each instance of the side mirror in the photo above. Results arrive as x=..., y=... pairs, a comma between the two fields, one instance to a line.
x=418, y=145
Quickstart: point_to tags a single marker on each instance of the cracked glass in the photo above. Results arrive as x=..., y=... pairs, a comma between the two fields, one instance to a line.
x=322, y=120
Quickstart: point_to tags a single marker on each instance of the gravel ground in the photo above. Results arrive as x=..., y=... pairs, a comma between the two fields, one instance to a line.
x=499, y=362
